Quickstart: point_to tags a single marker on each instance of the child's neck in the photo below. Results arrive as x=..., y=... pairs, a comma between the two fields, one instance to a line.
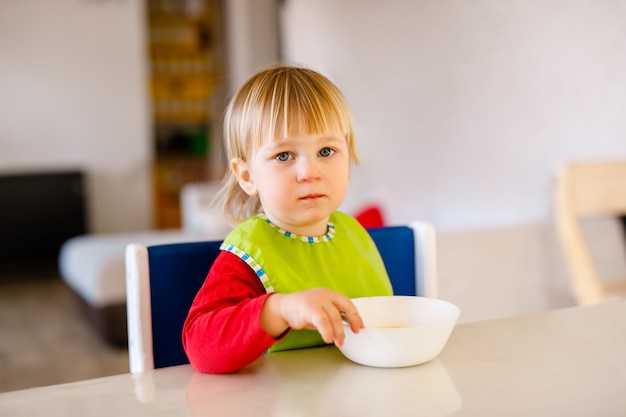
x=317, y=229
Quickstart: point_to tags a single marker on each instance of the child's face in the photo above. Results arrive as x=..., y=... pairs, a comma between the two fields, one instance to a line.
x=300, y=180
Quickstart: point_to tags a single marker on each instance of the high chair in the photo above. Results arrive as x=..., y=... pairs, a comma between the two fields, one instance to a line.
x=162, y=281
x=583, y=190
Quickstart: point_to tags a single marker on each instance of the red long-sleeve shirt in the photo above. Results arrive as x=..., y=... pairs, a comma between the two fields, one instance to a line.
x=222, y=332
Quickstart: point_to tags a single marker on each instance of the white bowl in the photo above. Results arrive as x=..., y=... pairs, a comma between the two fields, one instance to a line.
x=399, y=330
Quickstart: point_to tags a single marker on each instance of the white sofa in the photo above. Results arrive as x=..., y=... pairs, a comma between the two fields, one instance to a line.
x=93, y=265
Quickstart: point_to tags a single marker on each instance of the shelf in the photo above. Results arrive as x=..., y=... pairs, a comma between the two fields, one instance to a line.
x=183, y=46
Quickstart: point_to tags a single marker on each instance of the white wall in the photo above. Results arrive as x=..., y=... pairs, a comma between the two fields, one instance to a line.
x=252, y=38
x=463, y=112
x=464, y=109
x=73, y=94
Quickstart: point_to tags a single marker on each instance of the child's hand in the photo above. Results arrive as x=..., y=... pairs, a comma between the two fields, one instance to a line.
x=318, y=308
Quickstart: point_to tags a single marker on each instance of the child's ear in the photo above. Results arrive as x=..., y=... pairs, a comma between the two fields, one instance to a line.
x=242, y=172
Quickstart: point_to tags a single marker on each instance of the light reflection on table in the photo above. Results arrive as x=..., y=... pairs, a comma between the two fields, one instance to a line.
x=320, y=382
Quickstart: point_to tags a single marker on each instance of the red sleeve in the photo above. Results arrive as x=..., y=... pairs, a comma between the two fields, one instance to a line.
x=222, y=332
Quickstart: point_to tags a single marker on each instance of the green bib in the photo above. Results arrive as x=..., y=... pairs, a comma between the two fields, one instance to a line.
x=345, y=260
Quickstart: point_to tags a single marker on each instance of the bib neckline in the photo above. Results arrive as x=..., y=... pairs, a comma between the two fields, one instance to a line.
x=309, y=239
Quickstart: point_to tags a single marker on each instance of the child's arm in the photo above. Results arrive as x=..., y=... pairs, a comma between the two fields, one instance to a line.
x=222, y=332
x=232, y=320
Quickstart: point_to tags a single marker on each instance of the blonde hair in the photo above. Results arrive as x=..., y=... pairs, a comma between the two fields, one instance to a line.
x=279, y=102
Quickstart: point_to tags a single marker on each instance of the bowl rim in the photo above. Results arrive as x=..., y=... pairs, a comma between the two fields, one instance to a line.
x=455, y=313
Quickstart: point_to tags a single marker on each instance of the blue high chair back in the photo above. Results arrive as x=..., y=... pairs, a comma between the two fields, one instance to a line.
x=162, y=281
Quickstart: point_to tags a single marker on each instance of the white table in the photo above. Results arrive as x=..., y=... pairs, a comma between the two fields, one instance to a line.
x=569, y=362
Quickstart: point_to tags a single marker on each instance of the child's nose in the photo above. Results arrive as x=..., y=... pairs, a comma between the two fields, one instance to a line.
x=308, y=170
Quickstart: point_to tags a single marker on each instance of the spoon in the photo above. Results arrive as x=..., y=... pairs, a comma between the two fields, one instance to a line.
x=344, y=319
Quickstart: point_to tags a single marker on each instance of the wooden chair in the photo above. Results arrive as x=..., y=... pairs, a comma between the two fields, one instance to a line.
x=584, y=189
x=162, y=281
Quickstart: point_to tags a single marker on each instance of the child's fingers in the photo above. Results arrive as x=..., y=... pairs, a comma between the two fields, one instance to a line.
x=324, y=325
x=336, y=323
x=351, y=315
x=329, y=323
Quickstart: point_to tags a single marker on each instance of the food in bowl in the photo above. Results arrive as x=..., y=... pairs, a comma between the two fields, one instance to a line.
x=399, y=330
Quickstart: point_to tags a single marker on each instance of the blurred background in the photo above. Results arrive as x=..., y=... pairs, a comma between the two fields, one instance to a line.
x=464, y=111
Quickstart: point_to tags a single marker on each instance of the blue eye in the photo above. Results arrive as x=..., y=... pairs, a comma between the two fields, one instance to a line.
x=283, y=156
x=326, y=152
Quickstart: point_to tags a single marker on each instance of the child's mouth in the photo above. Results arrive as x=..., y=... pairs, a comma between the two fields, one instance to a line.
x=312, y=197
